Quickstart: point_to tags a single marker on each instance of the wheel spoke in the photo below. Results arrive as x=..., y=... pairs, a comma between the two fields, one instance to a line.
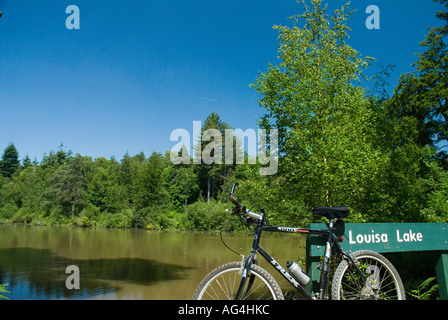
x=224, y=281
x=381, y=279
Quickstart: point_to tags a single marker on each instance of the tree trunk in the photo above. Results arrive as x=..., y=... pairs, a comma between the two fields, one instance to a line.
x=208, y=189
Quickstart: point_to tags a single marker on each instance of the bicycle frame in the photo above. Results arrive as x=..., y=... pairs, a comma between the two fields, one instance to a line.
x=332, y=241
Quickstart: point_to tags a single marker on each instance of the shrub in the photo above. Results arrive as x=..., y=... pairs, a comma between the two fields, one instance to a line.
x=203, y=216
x=121, y=219
x=23, y=215
x=8, y=211
x=57, y=217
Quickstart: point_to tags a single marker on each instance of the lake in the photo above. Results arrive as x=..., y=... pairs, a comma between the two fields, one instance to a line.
x=116, y=264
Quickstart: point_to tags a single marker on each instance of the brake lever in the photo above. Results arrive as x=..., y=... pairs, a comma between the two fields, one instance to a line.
x=236, y=211
x=233, y=211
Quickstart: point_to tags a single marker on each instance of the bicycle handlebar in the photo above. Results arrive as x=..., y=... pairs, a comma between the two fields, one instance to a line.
x=231, y=197
x=239, y=208
x=253, y=215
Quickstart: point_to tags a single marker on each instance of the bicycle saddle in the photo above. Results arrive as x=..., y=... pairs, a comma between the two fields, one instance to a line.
x=332, y=212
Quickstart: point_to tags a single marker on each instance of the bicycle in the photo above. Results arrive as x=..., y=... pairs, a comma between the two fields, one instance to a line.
x=361, y=275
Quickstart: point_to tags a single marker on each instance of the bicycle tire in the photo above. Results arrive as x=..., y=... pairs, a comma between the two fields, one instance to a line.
x=383, y=281
x=222, y=284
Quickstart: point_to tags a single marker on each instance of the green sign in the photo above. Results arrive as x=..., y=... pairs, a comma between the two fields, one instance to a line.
x=385, y=237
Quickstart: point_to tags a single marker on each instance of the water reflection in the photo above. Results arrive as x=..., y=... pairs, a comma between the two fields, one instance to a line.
x=40, y=274
x=121, y=264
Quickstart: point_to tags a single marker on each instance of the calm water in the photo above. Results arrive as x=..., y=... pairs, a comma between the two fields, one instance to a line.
x=122, y=264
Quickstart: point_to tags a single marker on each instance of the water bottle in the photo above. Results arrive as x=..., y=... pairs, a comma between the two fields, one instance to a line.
x=297, y=272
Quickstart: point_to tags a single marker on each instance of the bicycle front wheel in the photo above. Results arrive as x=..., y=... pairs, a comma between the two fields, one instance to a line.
x=223, y=282
x=381, y=280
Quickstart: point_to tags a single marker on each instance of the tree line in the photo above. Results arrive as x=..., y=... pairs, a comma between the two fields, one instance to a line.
x=342, y=140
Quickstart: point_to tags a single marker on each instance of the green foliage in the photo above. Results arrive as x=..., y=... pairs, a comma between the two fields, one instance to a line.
x=385, y=157
x=121, y=219
x=212, y=176
x=182, y=186
x=422, y=96
x=68, y=184
x=203, y=216
x=148, y=189
x=435, y=185
x=426, y=290
x=10, y=161
x=322, y=114
x=414, y=140
x=3, y=290
x=7, y=211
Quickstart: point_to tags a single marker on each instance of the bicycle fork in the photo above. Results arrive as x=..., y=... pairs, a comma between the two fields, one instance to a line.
x=246, y=270
x=245, y=275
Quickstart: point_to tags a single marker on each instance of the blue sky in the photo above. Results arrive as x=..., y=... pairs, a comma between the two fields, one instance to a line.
x=136, y=70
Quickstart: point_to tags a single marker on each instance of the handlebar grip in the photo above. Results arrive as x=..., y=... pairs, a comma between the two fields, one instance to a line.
x=232, y=190
x=231, y=197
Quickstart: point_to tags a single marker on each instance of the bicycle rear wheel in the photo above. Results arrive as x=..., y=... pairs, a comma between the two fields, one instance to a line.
x=223, y=282
x=382, y=281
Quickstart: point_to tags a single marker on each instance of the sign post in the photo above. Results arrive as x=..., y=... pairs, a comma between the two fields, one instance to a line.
x=384, y=238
